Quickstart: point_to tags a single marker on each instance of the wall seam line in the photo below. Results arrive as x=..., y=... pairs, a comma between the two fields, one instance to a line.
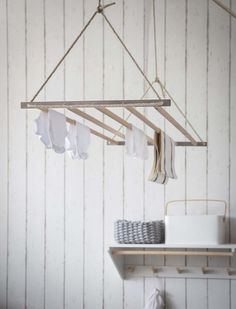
x=8, y=154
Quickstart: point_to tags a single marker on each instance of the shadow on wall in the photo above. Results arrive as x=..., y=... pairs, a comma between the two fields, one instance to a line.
x=169, y=303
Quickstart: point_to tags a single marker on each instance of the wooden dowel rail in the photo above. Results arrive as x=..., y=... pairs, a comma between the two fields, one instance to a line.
x=117, y=118
x=143, y=118
x=96, y=121
x=180, y=143
x=171, y=253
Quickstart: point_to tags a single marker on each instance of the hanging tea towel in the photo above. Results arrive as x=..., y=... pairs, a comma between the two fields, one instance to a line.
x=136, y=143
x=164, y=158
x=155, y=301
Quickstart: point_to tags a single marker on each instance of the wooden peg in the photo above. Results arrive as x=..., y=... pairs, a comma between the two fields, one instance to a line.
x=204, y=270
x=179, y=270
x=229, y=271
x=155, y=270
x=131, y=269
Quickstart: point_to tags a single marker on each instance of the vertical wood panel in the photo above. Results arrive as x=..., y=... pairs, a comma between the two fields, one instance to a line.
x=233, y=148
x=54, y=284
x=113, y=158
x=17, y=156
x=154, y=193
x=218, y=132
x=218, y=294
x=3, y=154
x=175, y=82
x=74, y=186
x=94, y=168
x=134, y=177
x=196, y=294
x=175, y=297
x=196, y=108
x=35, y=159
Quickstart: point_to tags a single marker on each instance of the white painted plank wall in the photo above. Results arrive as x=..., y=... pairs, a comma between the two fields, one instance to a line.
x=218, y=118
x=113, y=157
x=55, y=166
x=175, y=82
x=133, y=169
x=17, y=163
x=232, y=179
x=61, y=211
x=154, y=195
x=35, y=160
x=74, y=177
x=94, y=186
x=4, y=154
x=196, y=99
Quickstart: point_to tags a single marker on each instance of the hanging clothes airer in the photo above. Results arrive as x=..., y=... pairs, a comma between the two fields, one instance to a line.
x=103, y=106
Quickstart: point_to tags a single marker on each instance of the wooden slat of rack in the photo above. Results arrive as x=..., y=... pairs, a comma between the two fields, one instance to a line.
x=96, y=103
x=176, y=124
x=94, y=132
x=224, y=7
x=143, y=118
x=117, y=118
x=171, y=253
x=96, y=121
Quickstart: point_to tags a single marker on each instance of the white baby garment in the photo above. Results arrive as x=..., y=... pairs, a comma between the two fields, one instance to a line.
x=78, y=141
x=155, y=301
x=83, y=140
x=136, y=143
x=42, y=129
x=57, y=130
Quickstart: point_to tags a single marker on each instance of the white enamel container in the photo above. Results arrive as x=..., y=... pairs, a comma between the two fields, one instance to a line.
x=195, y=229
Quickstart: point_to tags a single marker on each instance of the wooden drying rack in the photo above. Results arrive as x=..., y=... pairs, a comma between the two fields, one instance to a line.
x=105, y=105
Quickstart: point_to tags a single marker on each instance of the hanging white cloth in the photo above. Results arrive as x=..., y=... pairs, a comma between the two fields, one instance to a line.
x=57, y=130
x=51, y=127
x=155, y=301
x=42, y=129
x=136, y=143
x=78, y=141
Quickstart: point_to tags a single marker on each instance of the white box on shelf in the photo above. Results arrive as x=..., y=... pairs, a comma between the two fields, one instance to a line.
x=195, y=229
x=200, y=229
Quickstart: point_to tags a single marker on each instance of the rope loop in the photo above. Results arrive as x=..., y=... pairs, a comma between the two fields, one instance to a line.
x=101, y=8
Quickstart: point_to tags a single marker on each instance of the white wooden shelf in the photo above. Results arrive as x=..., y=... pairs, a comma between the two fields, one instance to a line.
x=126, y=269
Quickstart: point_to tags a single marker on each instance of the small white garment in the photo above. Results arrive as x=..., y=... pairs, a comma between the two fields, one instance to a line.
x=155, y=301
x=42, y=129
x=78, y=141
x=136, y=143
x=57, y=130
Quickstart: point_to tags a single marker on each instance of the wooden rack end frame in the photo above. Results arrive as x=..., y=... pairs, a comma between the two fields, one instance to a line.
x=96, y=103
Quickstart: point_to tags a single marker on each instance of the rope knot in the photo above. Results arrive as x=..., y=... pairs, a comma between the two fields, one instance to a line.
x=100, y=8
